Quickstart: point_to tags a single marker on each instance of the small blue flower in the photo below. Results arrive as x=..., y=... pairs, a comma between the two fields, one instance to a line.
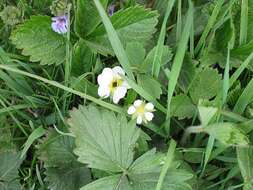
x=111, y=10
x=60, y=24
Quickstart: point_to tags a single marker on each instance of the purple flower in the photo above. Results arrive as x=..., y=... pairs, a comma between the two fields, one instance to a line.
x=60, y=24
x=111, y=10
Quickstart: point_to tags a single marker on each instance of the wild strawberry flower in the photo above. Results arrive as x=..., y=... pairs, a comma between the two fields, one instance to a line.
x=112, y=84
x=60, y=24
x=141, y=111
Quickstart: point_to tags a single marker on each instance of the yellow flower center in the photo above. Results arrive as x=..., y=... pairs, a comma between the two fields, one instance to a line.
x=141, y=109
x=116, y=82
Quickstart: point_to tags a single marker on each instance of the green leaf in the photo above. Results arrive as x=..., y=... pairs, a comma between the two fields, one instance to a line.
x=182, y=107
x=206, y=114
x=10, y=162
x=37, y=133
x=134, y=24
x=63, y=172
x=144, y=174
x=135, y=53
x=228, y=134
x=166, y=57
x=87, y=17
x=106, y=142
x=37, y=40
x=245, y=161
x=83, y=59
x=207, y=84
x=150, y=85
x=187, y=73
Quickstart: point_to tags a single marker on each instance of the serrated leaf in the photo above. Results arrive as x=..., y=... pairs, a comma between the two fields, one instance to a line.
x=206, y=114
x=245, y=161
x=144, y=174
x=134, y=24
x=227, y=133
x=37, y=40
x=70, y=176
x=135, y=53
x=63, y=172
x=103, y=140
x=87, y=17
x=10, y=162
x=150, y=85
x=206, y=85
x=182, y=107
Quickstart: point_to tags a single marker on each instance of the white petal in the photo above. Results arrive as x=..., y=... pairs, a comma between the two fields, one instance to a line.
x=139, y=120
x=149, y=106
x=125, y=84
x=105, y=77
x=131, y=110
x=103, y=91
x=118, y=71
x=119, y=93
x=149, y=116
x=137, y=103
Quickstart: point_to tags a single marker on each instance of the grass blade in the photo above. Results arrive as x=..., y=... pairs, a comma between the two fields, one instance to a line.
x=244, y=99
x=209, y=25
x=114, y=39
x=37, y=133
x=169, y=159
x=159, y=50
x=58, y=85
x=178, y=60
x=244, y=22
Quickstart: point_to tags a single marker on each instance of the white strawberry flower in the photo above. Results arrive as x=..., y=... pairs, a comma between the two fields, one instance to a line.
x=141, y=111
x=111, y=84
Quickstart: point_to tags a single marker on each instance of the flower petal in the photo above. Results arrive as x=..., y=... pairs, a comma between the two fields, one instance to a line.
x=118, y=71
x=139, y=120
x=105, y=77
x=137, y=103
x=125, y=84
x=149, y=116
x=149, y=106
x=131, y=110
x=103, y=91
x=119, y=93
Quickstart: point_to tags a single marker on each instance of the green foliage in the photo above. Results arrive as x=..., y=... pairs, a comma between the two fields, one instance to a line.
x=106, y=143
x=228, y=134
x=10, y=162
x=63, y=172
x=206, y=85
x=191, y=59
x=244, y=156
x=87, y=17
x=37, y=40
x=134, y=24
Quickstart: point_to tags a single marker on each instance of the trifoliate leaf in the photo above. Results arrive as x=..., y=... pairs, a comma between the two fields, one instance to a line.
x=206, y=85
x=245, y=161
x=63, y=172
x=103, y=140
x=10, y=162
x=144, y=174
x=182, y=107
x=150, y=85
x=134, y=24
x=37, y=40
x=227, y=133
x=87, y=17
